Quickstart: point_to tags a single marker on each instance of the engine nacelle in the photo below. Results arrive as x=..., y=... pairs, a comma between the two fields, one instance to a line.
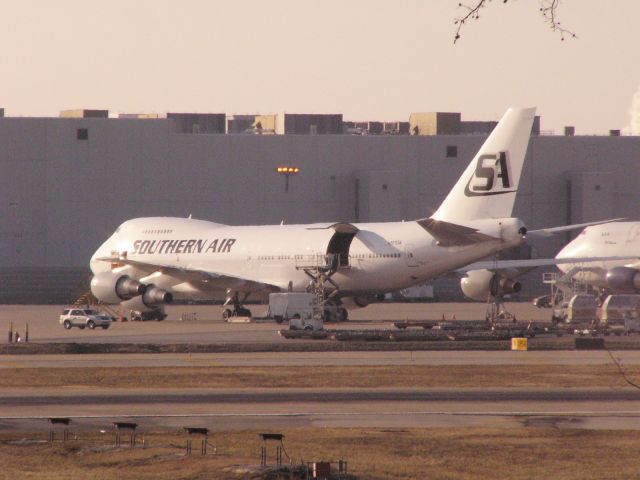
x=352, y=303
x=480, y=284
x=110, y=287
x=623, y=280
x=156, y=296
x=149, y=300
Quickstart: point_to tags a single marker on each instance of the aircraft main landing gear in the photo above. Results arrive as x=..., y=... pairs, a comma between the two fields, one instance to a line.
x=238, y=310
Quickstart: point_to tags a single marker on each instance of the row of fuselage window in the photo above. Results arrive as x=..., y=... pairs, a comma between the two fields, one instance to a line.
x=357, y=256
x=158, y=231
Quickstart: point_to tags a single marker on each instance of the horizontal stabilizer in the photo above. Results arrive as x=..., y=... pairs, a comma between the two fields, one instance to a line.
x=452, y=235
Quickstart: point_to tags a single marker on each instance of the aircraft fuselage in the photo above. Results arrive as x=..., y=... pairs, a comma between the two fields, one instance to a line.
x=616, y=239
x=382, y=257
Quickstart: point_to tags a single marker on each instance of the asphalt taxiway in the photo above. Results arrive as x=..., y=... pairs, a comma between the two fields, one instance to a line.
x=319, y=359
x=262, y=408
x=208, y=327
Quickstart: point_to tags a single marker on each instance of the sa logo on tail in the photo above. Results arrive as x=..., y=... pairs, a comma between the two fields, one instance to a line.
x=491, y=176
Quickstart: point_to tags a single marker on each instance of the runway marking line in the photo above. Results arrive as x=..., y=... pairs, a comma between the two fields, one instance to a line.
x=588, y=414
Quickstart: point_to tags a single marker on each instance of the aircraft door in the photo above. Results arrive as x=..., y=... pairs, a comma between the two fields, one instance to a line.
x=410, y=256
x=338, y=249
x=634, y=234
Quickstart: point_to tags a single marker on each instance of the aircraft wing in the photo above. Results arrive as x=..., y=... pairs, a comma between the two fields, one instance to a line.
x=452, y=235
x=203, y=279
x=338, y=227
x=529, y=264
x=548, y=232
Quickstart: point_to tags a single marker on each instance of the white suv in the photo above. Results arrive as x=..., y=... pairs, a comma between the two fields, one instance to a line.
x=84, y=317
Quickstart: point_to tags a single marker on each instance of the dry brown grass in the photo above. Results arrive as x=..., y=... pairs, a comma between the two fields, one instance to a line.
x=372, y=453
x=307, y=377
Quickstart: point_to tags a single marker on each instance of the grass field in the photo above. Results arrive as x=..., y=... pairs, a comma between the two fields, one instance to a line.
x=318, y=377
x=517, y=453
x=523, y=453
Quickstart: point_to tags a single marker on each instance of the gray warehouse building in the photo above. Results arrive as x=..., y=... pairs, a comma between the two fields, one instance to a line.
x=67, y=183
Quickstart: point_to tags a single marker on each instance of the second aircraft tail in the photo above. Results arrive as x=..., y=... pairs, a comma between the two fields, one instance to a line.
x=488, y=186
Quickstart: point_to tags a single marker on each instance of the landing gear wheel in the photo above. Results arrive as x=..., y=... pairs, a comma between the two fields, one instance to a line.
x=226, y=314
x=67, y=324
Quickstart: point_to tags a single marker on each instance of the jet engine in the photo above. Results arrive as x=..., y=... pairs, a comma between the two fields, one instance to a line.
x=623, y=280
x=151, y=298
x=480, y=284
x=110, y=287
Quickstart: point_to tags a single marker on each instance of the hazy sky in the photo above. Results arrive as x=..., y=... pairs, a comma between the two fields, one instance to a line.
x=367, y=59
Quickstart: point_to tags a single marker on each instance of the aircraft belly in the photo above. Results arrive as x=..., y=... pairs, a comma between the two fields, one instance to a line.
x=597, y=279
x=367, y=280
x=283, y=276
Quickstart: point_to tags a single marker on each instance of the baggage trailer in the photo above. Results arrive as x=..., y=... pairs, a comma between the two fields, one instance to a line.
x=290, y=305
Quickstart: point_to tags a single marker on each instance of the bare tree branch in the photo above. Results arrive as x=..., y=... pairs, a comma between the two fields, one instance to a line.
x=548, y=10
x=473, y=13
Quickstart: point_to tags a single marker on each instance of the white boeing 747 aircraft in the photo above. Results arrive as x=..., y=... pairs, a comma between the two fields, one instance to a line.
x=149, y=261
x=601, y=243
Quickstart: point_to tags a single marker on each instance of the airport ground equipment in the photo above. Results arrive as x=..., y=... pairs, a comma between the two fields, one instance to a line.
x=581, y=308
x=197, y=431
x=84, y=318
x=295, y=306
x=519, y=344
x=126, y=427
x=157, y=313
x=53, y=421
x=310, y=321
x=621, y=312
x=272, y=437
x=589, y=343
x=430, y=331
x=563, y=286
x=238, y=310
x=322, y=470
x=284, y=306
x=87, y=300
x=426, y=324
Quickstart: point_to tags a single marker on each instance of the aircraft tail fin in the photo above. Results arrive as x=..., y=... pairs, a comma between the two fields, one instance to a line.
x=488, y=186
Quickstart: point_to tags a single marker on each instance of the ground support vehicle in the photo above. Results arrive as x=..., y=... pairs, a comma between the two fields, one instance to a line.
x=287, y=306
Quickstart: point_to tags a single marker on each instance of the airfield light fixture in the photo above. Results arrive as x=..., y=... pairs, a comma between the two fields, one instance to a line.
x=287, y=171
